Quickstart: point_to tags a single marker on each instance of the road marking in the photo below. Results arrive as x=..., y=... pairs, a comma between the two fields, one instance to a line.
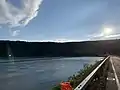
x=111, y=79
x=117, y=81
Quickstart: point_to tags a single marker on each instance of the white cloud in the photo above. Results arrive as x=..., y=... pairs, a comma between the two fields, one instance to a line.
x=58, y=41
x=101, y=36
x=15, y=32
x=14, y=17
x=96, y=35
x=113, y=36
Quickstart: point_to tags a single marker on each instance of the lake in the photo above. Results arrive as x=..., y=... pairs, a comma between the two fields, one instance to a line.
x=40, y=74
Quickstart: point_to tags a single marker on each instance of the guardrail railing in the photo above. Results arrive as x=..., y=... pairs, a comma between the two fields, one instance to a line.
x=96, y=79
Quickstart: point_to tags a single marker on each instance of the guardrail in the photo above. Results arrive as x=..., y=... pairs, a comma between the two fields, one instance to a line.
x=96, y=79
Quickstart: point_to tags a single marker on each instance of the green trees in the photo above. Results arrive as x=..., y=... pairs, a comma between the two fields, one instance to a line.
x=82, y=74
x=76, y=79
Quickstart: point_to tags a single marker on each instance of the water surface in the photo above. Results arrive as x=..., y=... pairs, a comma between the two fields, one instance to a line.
x=40, y=74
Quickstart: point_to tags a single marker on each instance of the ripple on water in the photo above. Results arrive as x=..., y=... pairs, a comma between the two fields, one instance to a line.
x=9, y=75
x=39, y=70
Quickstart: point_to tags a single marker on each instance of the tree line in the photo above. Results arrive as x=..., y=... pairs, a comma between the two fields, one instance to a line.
x=52, y=49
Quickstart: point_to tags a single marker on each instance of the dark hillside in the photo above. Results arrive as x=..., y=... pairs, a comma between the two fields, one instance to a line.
x=51, y=49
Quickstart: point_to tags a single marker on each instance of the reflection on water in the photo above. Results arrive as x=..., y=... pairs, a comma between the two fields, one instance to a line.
x=39, y=74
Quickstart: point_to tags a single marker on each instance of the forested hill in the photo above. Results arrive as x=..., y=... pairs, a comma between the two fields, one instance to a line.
x=51, y=49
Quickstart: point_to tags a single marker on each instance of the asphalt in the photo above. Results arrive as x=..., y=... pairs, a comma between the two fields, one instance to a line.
x=113, y=79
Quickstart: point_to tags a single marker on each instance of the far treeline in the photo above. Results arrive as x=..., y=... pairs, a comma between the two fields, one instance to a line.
x=52, y=49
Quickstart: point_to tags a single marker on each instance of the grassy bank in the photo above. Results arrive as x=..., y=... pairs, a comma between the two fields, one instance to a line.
x=81, y=75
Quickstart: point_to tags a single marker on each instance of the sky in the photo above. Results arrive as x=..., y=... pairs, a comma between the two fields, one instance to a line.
x=59, y=20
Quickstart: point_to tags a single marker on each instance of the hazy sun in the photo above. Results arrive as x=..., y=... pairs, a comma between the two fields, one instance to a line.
x=107, y=31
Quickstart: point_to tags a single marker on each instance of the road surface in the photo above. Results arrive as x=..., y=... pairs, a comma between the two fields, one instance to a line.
x=113, y=79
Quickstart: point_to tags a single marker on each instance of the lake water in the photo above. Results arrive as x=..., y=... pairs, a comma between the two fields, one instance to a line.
x=40, y=74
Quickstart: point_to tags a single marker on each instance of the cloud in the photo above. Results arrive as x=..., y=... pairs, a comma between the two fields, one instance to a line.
x=15, y=17
x=15, y=33
x=113, y=36
x=96, y=35
x=101, y=36
x=55, y=40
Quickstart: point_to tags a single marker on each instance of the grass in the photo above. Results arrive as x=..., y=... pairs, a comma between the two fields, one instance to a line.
x=56, y=87
x=75, y=80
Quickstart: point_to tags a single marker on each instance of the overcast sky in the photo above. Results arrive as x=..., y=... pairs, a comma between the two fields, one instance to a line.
x=59, y=20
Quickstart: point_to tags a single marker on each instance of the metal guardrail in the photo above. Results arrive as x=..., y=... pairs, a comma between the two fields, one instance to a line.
x=89, y=78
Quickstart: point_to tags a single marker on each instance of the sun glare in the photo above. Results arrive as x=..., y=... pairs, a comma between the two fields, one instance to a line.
x=107, y=31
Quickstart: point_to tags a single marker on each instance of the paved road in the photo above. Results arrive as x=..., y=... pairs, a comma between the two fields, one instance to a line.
x=116, y=68
x=113, y=79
